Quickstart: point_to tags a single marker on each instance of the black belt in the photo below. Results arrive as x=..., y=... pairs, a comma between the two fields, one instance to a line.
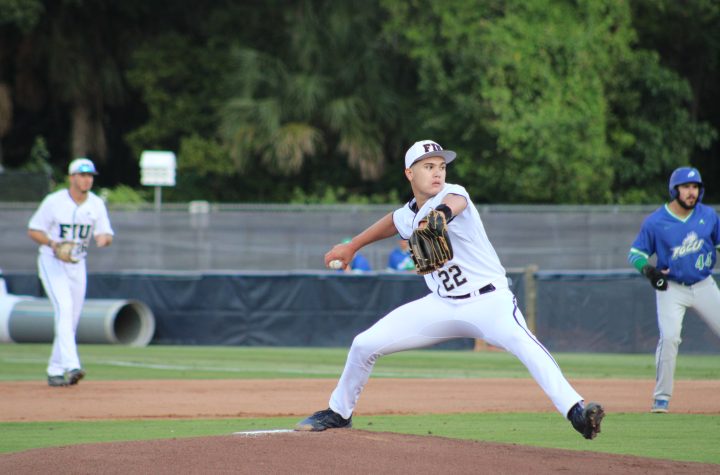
x=485, y=290
x=686, y=285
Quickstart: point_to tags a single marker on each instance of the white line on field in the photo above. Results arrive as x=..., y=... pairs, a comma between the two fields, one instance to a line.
x=386, y=374
x=318, y=374
x=256, y=433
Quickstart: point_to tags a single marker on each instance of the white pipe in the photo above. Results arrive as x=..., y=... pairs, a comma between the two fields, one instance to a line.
x=25, y=319
x=7, y=302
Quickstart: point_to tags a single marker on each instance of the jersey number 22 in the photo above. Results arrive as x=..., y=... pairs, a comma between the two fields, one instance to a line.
x=452, y=278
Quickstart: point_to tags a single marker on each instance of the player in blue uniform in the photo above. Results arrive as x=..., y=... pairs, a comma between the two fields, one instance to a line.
x=684, y=234
x=399, y=258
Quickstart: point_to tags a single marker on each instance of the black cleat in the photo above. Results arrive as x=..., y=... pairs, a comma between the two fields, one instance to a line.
x=75, y=375
x=57, y=381
x=321, y=420
x=586, y=420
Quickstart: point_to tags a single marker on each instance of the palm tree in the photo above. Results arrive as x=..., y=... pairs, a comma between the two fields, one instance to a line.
x=82, y=46
x=325, y=91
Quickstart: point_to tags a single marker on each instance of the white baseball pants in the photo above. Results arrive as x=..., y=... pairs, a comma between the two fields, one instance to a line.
x=65, y=287
x=493, y=317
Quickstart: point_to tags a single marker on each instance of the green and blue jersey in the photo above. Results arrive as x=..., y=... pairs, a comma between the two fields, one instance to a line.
x=685, y=246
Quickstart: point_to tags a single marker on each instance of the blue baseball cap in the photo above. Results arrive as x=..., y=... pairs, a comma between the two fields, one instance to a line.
x=81, y=165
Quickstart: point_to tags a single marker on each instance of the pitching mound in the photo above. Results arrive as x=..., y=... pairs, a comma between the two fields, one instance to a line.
x=332, y=452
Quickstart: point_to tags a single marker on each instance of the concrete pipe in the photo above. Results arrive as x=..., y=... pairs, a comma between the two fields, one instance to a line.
x=25, y=319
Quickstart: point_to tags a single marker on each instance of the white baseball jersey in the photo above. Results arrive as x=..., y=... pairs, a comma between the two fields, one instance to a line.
x=64, y=220
x=475, y=262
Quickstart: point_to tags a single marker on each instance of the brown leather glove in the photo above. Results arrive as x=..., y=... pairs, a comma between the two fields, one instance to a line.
x=430, y=245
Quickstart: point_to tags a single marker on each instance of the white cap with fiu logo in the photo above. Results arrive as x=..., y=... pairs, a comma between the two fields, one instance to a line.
x=427, y=148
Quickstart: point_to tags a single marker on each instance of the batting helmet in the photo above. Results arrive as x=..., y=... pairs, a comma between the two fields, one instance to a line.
x=685, y=175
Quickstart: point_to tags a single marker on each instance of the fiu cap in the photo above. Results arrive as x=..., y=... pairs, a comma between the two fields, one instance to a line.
x=427, y=148
x=81, y=165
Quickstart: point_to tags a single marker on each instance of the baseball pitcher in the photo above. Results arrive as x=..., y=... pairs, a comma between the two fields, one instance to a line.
x=469, y=295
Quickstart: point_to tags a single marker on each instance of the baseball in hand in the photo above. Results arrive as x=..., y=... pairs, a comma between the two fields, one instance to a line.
x=335, y=264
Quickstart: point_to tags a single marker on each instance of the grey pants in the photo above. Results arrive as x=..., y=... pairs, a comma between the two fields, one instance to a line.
x=704, y=298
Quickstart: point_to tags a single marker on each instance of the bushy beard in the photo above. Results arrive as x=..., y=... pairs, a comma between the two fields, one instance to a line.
x=684, y=205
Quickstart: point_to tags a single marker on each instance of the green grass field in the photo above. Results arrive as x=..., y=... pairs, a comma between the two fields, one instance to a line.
x=682, y=437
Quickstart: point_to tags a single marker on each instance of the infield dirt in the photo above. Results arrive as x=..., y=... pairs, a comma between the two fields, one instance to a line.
x=339, y=451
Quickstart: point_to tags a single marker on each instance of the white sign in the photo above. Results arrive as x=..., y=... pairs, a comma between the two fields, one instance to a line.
x=157, y=168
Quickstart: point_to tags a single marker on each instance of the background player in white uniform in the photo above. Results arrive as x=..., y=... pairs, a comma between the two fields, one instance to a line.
x=73, y=214
x=684, y=235
x=470, y=299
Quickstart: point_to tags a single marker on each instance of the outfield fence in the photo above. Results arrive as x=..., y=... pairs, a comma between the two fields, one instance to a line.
x=569, y=311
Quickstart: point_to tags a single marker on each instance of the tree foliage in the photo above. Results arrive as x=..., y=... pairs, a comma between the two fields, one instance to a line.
x=652, y=129
x=685, y=38
x=325, y=92
x=21, y=14
x=549, y=101
x=536, y=95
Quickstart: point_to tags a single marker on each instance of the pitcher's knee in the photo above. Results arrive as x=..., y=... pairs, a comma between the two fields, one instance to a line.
x=364, y=349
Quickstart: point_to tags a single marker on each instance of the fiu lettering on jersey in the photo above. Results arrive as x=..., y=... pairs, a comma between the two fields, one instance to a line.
x=75, y=231
x=690, y=245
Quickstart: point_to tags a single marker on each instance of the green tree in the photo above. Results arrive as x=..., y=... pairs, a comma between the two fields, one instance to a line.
x=651, y=128
x=65, y=71
x=548, y=101
x=537, y=95
x=179, y=73
x=16, y=17
x=80, y=46
x=177, y=77
x=519, y=86
x=686, y=37
x=323, y=94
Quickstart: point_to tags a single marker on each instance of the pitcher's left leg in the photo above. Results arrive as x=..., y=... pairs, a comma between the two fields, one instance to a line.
x=510, y=331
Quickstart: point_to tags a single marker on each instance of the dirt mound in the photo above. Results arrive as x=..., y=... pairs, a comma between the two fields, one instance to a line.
x=332, y=452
